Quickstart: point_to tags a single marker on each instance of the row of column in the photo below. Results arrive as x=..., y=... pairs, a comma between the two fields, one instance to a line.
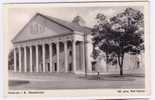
x=43, y=57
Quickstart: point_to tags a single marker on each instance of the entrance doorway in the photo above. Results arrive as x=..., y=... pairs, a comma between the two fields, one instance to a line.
x=48, y=67
x=55, y=67
x=70, y=67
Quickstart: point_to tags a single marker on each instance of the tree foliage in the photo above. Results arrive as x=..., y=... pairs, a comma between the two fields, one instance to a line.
x=120, y=34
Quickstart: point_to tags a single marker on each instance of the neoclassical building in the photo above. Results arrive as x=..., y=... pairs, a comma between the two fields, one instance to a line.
x=48, y=44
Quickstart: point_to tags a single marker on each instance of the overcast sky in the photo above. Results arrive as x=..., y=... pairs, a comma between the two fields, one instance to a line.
x=18, y=17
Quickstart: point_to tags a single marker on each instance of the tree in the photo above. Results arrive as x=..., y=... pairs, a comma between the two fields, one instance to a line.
x=99, y=37
x=119, y=35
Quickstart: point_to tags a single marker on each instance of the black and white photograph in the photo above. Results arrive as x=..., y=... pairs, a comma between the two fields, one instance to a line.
x=74, y=47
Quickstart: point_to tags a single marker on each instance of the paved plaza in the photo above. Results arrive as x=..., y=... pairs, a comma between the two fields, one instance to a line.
x=48, y=81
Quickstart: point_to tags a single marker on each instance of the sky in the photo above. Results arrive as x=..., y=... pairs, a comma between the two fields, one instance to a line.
x=19, y=16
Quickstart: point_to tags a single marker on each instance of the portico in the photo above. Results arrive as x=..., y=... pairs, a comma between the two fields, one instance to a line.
x=56, y=54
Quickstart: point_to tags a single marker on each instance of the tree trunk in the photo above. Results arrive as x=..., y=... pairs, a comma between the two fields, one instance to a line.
x=120, y=62
x=121, y=70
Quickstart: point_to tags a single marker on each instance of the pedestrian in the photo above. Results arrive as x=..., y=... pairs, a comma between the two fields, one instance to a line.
x=98, y=75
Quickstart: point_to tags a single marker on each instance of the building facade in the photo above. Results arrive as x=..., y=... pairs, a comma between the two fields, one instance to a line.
x=48, y=44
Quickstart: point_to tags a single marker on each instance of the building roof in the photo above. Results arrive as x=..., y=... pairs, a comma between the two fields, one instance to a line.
x=48, y=27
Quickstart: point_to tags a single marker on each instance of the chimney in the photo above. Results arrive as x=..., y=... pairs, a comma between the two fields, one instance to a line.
x=78, y=20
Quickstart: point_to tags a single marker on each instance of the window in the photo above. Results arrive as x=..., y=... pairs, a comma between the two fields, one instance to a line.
x=37, y=28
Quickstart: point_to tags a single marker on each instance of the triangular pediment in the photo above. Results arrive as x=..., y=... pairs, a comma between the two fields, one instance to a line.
x=40, y=27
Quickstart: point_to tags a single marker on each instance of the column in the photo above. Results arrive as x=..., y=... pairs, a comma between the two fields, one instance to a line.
x=57, y=47
x=83, y=56
x=31, y=65
x=37, y=59
x=66, y=56
x=25, y=59
x=20, y=59
x=50, y=53
x=43, y=55
x=15, y=60
x=74, y=55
